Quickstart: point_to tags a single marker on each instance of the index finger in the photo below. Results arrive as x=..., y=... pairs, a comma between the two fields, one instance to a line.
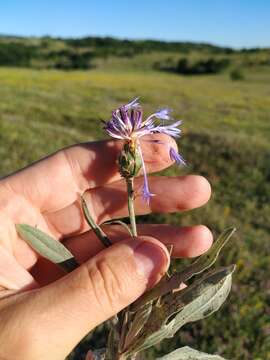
x=55, y=181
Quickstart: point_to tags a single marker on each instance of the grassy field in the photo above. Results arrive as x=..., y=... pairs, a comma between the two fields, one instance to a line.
x=226, y=135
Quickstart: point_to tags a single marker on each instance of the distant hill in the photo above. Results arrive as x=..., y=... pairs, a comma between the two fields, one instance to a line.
x=80, y=53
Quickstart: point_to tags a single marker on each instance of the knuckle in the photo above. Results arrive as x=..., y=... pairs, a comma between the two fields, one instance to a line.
x=108, y=288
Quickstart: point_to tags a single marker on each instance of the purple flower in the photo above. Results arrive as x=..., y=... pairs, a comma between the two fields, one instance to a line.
x=127, y=124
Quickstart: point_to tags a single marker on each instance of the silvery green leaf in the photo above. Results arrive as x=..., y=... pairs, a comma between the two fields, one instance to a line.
x=137, y=324
x=47, y=247
x=173, y=302
x=214, y=292
x=164, y=332
x=186, y=353
x=195, y=302
x=203, y=263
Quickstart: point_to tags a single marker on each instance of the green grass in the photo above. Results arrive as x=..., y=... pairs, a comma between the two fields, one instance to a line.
x=226, y=136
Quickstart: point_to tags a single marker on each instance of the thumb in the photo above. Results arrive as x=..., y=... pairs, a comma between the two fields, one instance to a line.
x=72, y=306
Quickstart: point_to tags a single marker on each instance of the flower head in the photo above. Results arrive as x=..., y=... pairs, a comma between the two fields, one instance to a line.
x=127, y=124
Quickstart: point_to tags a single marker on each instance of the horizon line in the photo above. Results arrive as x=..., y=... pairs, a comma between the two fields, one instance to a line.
x=136, y=39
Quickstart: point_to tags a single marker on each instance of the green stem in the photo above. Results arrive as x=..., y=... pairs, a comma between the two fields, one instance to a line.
x=131, y=210
x=124, y=316
x=91, y=222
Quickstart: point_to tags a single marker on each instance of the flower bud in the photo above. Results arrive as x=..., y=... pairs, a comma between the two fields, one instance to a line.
x=129, y=161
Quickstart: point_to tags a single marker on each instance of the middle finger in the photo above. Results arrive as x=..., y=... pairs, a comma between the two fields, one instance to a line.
x=108, y=202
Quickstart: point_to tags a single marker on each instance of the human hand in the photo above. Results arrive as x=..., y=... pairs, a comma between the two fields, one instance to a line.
x=44, y=313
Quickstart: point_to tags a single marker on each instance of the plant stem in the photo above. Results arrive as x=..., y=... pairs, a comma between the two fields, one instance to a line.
x=131, y=210
x=124, y=315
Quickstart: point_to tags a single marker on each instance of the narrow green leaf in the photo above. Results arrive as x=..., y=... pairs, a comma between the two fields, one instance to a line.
x=112, y=341
x=186, y=353
x=47, y=247
x=94, y=226
x=124, y=319
x=137, y=324
x=203, y=263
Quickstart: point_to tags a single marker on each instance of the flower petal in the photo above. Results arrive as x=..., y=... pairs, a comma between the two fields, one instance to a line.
x=146, y=194
x=134, y=104
x=175, y=156
x=163, y=114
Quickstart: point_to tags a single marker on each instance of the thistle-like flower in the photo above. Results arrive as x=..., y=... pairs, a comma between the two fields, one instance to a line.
x=127, y=124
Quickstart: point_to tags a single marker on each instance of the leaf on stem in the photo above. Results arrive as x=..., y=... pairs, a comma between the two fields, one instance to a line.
x=203, y=263
x=199, y=300
x=113, y=339
x=137, y=324
x=47, y=247
x=94, y=226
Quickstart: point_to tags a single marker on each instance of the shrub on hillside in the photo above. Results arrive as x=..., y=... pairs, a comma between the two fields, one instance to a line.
x=236, y=74
x=186, y=67
x=15, y=54
x=168, y=64
x=208, y=66
x=67, y=59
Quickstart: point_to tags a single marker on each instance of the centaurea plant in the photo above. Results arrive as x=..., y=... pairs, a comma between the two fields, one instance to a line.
x=162, y=311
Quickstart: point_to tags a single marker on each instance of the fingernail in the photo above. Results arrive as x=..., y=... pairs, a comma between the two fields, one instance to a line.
x=152, y=261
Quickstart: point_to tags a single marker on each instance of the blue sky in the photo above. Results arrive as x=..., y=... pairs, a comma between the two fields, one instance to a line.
x=237, y=23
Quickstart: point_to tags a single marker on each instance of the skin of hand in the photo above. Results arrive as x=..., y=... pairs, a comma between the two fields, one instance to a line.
x=44, y=312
